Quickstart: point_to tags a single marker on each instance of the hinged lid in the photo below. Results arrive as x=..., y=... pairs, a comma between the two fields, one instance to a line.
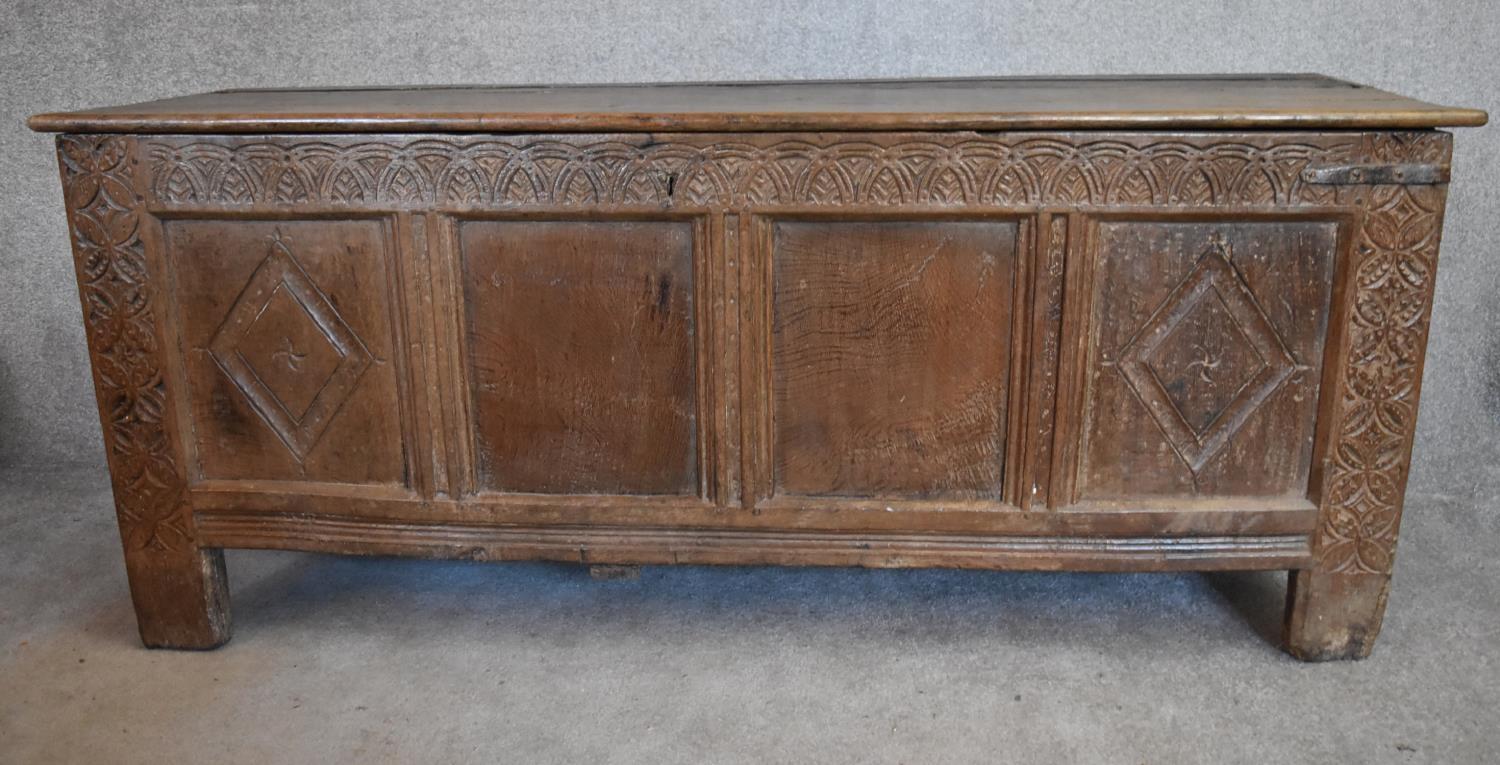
x=1051, y=103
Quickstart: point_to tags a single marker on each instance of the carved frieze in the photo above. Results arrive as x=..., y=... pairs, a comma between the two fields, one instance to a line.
x=746, y=170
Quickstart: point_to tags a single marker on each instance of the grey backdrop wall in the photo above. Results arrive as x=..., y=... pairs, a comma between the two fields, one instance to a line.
x=62, y=54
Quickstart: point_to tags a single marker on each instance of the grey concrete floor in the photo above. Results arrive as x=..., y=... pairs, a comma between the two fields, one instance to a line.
x=382, y=660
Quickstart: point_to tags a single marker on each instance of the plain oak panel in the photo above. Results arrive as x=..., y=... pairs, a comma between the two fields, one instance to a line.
x=580, y=337
x=287, y=330
x=891, y=354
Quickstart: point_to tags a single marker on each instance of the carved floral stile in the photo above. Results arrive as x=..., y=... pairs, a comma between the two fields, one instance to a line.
x=991, y=170
x=1387, y=327
x=1428, y=147
x=120, y=320
x=1396, y=251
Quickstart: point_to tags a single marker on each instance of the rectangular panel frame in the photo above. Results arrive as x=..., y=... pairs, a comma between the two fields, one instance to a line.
x=758, y=431
x=1082, y=257
x=462, y=450
x=394, y=255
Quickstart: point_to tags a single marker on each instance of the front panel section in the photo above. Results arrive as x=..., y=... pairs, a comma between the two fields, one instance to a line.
x=580, y=338
x=287, y=331
x=1204, y=359
x=1112, y=335
x=891, y=347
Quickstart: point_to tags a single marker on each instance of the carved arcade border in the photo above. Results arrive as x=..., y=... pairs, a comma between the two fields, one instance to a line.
x=124, y=342
x=732, y=171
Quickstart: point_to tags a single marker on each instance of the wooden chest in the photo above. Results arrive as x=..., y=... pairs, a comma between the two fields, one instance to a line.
x=1132, y=324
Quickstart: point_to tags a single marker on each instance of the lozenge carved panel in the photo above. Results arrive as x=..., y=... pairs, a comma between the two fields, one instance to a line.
x=288, y=332
x=1206, y=354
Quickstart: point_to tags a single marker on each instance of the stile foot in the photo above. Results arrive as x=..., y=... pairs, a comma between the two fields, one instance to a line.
x=181, y=598
x=1334, y=616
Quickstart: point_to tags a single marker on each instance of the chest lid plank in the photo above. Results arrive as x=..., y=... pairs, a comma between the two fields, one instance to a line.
x=1295, y=101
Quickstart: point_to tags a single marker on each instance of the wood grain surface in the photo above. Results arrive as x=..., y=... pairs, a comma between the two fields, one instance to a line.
x=287, y=332
x=891, y=357
x=1206, y=358
x=1197, y=344
x=1020, y=103
x=580, y=339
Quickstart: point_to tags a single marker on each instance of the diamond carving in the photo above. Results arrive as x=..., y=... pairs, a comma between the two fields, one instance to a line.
x=289, y=352
x=1206, y=359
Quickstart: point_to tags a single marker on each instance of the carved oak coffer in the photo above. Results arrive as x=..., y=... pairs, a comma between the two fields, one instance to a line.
x=1138, y=324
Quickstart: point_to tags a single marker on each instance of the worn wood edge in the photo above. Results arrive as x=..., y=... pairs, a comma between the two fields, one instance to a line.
x=812, y=514
x=698, y=122
x=756, y=83
x=654, y=546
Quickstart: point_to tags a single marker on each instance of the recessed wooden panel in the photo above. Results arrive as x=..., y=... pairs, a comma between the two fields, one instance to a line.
x=287, y=329
x=890, y=360
x=1206, y=356
x=580, y=339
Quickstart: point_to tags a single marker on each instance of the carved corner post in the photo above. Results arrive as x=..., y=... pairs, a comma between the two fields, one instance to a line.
x=179, y=588
x=1334, y=609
